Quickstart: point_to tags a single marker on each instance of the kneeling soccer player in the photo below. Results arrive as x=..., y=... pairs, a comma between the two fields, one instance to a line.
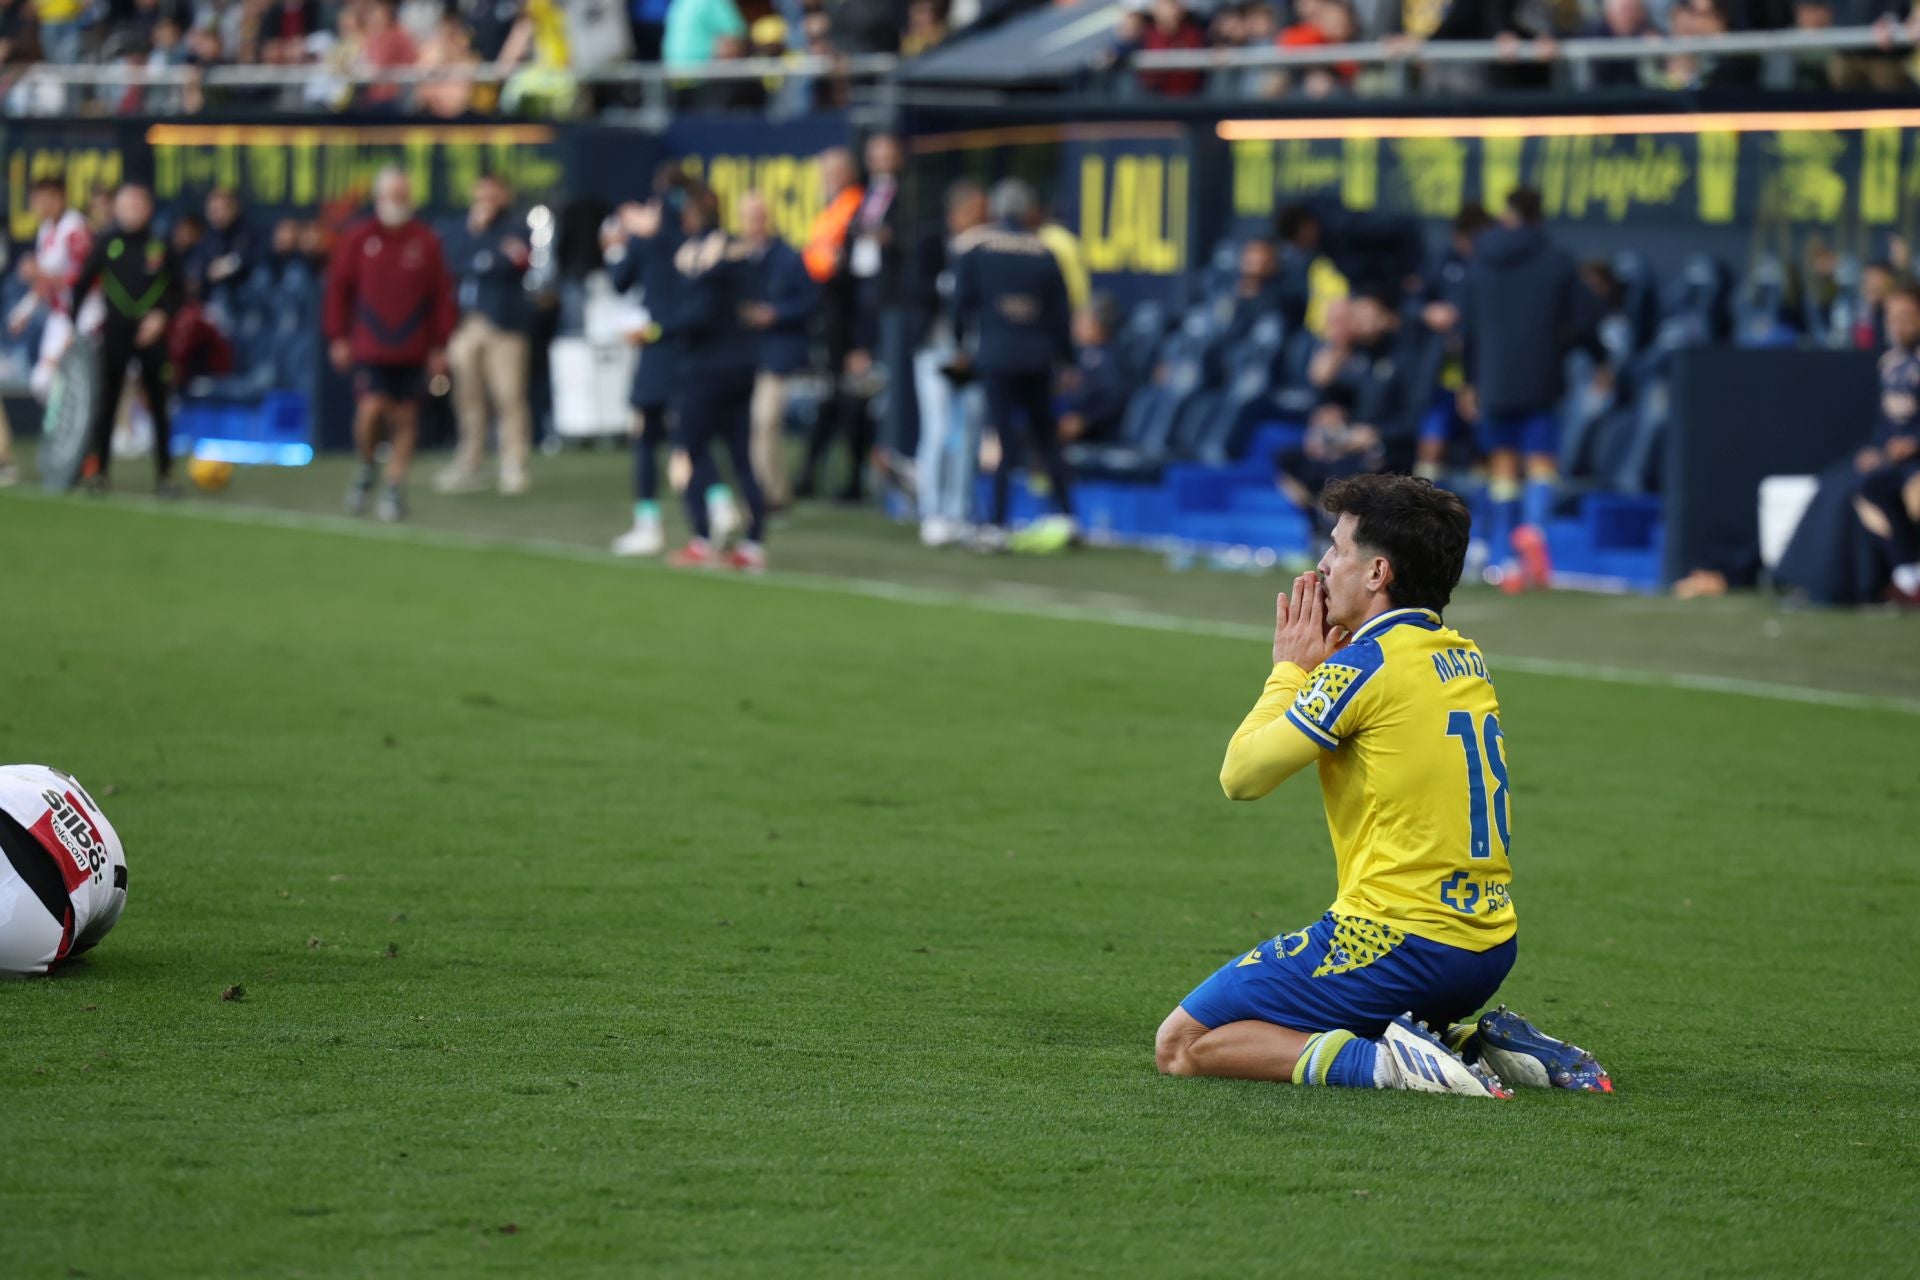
x=63, y=872
x=1399, y=712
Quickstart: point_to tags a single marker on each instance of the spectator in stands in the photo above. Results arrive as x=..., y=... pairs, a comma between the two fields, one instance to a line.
x=926, y=28
x=167, y=48
x=384, y=45
x=1168, y=25
x=1369, y=405
x=1687, y=71
x=491, y=22
x=1521, y=28
x=226, y=253
x=694, y=28
x=1298, y=231
x=1442, y=312
x=828, y=259
x=449, y=47
x=1095, y=390
x=1858, y=532
x=1622, y=20
x=1525, y=311
x=1878, y=280
x=291, y=269
x=488, y=253
x=1008, y=289
x=782, y=302
x=1320, y=22
x=188, y=234
x=647, y=23
x=140, y=283
x=289, y=25
x=195, y=346
x=1256, y=293
x=388, y=315
x=1886, y=69
x=61, y=29
x=948, y=399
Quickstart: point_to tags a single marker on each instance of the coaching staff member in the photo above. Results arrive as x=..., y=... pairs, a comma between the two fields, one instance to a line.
x=140, y=282
x=389, y=312
x=1009, y=291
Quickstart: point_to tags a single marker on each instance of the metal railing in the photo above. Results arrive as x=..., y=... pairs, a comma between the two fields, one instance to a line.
x=1577, y=54
x=44, y=84
x=651, y=89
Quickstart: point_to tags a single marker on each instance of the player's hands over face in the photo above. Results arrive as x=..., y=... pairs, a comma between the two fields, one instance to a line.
x=1301, y=633
x=341, y=353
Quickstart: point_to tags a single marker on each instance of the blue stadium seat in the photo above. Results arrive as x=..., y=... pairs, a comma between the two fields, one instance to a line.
x=1639, y=298
x=1698, y=300
x=1140, y=337
x=1762, y=313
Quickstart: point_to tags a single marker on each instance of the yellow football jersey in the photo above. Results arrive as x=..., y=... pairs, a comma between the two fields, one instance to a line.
x=1413, y=768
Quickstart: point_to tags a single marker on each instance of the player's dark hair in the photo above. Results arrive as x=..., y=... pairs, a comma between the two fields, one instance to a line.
x=1419, y=527
x=1908, y=290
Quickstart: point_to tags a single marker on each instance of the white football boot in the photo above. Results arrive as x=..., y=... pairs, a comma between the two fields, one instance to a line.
x=1420, y=1063
x=646, y=538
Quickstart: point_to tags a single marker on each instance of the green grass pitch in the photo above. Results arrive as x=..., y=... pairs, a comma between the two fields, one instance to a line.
x=611, y=922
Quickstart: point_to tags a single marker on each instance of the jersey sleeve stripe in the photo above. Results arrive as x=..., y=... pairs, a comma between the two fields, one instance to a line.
x=1312, y=731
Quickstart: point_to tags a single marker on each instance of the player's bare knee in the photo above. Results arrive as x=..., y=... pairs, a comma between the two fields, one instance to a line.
x=1172, y=1047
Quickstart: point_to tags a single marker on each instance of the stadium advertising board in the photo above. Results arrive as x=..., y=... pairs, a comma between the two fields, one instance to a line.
x=296, y=168
x=1127, y=191
x=1846, y=172
x=777, y=159
x=279, y=169
x=83, y=155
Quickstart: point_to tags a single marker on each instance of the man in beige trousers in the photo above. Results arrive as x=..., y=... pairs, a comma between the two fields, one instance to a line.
x=783, y=301
x=488, y=353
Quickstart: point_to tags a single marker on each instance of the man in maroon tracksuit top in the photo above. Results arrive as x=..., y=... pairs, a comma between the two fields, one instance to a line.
x=389, y=313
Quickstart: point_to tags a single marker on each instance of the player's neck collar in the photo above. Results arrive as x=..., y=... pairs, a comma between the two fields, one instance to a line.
x=1426, y=619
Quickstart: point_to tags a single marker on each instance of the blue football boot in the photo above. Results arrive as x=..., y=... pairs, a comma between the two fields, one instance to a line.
x=1520, y=1053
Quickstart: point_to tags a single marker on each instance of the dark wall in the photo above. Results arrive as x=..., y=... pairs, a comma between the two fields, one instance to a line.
x=1740, y=416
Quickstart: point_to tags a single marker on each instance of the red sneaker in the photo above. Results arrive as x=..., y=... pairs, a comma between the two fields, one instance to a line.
x=748, y=557
x=695, y=555
x=1530, y=544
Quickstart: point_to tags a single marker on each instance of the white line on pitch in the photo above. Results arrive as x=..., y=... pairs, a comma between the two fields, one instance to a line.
x=1022, y=605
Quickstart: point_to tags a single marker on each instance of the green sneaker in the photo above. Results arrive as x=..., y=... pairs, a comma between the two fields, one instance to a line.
x=1046, y=537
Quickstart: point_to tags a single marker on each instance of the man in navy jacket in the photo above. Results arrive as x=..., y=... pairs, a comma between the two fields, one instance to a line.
x=782, y=300
x=1526, y=308
x=1009, y=291
x=488, y=252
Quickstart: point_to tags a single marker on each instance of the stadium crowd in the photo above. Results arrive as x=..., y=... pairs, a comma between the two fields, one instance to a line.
x=537, y=46
x=929, y=344
x=1528, y=30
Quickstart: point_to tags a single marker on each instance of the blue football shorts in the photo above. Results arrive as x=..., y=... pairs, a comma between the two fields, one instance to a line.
x=1531, y=434
x=1344, y=973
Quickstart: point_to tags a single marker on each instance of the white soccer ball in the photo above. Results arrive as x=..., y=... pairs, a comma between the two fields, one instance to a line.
x=63, y=871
